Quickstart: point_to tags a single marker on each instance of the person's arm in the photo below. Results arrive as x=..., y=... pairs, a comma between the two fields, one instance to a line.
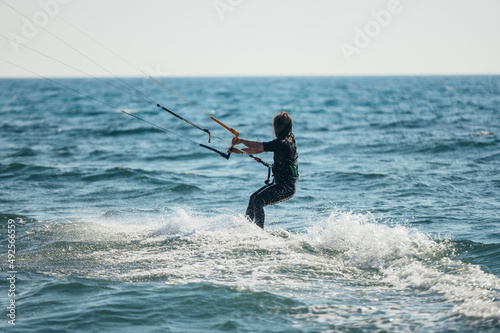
x=254, y=147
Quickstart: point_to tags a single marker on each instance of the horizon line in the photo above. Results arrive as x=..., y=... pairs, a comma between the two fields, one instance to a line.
x=250, y=76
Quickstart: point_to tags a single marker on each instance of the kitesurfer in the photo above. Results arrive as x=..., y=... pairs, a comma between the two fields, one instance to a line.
x=285, y=167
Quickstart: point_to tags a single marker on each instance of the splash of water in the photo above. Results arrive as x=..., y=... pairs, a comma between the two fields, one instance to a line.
x=340, y=250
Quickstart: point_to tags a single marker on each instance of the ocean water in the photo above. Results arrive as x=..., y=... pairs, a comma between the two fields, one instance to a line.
x=121, y=227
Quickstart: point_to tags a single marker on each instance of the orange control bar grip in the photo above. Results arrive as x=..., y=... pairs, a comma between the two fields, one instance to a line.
x=232, y=130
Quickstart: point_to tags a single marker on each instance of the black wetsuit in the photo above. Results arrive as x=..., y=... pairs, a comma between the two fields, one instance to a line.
x=285, y=172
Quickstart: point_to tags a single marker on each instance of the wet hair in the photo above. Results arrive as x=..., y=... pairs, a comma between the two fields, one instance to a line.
x=283, y=124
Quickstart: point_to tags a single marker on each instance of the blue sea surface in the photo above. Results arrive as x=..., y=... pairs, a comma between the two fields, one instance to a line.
x=121, y=227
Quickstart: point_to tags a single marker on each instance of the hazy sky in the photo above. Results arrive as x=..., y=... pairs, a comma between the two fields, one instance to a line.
x=255, y=37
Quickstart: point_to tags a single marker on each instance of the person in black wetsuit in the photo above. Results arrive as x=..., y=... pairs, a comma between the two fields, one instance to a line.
x=285, y=167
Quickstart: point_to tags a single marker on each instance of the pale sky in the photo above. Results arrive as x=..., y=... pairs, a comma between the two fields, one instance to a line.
x=255, y=37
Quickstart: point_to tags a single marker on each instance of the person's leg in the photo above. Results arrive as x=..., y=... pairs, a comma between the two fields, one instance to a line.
x=268, y=195
x=254, y=208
